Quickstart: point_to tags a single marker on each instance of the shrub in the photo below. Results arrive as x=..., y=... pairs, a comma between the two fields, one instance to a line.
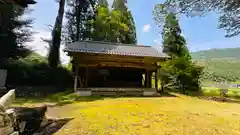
x=34, y=71
x=181, y=74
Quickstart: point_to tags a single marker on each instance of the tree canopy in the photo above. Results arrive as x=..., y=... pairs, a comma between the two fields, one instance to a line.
x=108, y=26
x=99, y=23
x=79, y=13
x=130, y=36
x=15, y=32
x=174, y=43
x=229, y=11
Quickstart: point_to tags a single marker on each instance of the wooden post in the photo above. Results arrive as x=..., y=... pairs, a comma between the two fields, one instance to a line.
x=86, y=79
x=150, y=79
x=146, y=78
x=76, y=78
x=156, y=80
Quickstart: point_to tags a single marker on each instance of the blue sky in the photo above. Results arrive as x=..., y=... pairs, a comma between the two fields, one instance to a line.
x=201, y=33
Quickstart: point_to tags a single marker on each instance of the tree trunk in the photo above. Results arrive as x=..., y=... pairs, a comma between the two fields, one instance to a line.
x=78, y=19
x=56, y=36
x=162, y=87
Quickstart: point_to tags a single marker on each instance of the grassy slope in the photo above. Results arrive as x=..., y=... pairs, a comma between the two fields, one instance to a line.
x=149, y=116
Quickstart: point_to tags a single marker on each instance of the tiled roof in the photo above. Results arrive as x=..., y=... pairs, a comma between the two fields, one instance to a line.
x=113, y=48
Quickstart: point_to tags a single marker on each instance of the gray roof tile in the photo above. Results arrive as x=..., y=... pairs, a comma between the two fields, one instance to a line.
x=113, y=48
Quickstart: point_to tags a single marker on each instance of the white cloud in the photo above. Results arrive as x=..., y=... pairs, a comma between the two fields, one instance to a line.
x=41, y=47
x=146, y=27
x=37, y=44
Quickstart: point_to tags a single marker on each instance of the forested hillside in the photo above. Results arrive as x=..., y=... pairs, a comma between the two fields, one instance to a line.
x=228, y=53
x=220, y=64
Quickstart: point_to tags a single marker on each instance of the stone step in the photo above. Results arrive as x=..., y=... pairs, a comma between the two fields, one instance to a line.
x=112, y=93
x=117, y=89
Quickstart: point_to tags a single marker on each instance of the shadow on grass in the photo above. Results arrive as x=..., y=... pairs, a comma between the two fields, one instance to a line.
x=65, y=98
x=21, y=101
x=95, y=98
x=52, y=102
x=79, y=99
x=167, y=94
x=57, y=99
x=53, y=126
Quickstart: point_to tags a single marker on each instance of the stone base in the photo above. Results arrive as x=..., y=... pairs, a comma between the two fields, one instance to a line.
x=116, y=91
x=148, y=93
x=84, y=93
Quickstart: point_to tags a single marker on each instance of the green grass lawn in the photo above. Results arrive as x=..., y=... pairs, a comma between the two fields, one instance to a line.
x=206, y=82
x=180, y=115
x=212, y=91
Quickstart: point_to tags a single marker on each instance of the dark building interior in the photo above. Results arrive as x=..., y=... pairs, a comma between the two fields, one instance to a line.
x=121, y=77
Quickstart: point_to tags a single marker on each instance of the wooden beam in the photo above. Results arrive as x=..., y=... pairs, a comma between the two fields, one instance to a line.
x=116, y=64
x=105, y=57
x=80, y=55
x=123, y=59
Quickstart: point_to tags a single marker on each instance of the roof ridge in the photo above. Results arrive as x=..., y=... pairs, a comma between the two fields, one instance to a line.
x=112, y=43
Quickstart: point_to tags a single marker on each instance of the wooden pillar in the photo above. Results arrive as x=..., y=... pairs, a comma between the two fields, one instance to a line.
x=86, y=79
x=150, y=79
x=146, y=79
x=156, y=79
x=76, y=78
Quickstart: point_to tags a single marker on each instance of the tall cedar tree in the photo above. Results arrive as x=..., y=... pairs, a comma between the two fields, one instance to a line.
x=121, y=5
x=54, y=54
x=229, y=11
x=79, y=14
x=174, y=43
x=108, y=25
x=180, y=72
x=14, y=33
